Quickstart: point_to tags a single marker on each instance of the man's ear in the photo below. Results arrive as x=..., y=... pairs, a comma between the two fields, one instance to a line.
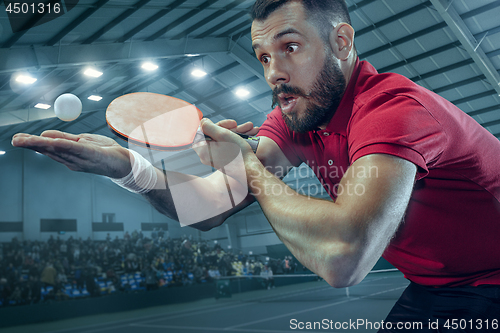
x=342, y=40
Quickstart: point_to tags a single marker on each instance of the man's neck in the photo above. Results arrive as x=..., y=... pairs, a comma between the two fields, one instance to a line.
x=348, y=66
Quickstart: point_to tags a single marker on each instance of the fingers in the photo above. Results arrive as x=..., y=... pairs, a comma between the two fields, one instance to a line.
x=212, y=130
x=247, y=128
x=244, y=127
x=220, y=134
x=85, y=152
x=59, y=135
x=45, y=145
x=64, y=145
x=228, y=123
x=21, y=137
x=32, y=141
x=26, y=140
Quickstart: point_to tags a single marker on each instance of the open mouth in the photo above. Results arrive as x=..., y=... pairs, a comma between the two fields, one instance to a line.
x=287, y=102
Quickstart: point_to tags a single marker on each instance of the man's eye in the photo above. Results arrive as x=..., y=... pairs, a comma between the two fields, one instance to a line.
x=264, y=59
x=291, y=48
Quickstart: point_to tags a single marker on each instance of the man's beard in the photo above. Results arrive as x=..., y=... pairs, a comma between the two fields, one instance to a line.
x=321, y=102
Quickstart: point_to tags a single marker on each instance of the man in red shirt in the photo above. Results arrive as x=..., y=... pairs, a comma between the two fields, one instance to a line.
x=385, y=149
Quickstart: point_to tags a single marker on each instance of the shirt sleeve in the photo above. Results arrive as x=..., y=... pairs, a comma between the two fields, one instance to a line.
x=398, y=126
x=275, y=129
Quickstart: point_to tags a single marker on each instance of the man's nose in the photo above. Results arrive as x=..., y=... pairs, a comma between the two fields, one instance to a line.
x=277, y=73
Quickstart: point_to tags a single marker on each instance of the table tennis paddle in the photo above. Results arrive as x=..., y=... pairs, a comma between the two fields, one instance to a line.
x=159, y=122
x=167, y=125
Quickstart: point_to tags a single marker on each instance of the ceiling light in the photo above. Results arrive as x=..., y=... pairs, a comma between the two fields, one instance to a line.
x=192, y=55
x=92, y=72
x=43, y=106
x=149, y=66
x=95, y=98
x=198, y=73
x=242, y=92
x=2, y=152
x=25, y=79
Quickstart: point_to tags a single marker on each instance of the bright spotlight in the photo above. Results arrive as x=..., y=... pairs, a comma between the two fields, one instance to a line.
x=95, y=98
x=149, y=66
x=92, y=72
x=26, y=79
x=242, y=92
x=42, y=106
x=198, y=73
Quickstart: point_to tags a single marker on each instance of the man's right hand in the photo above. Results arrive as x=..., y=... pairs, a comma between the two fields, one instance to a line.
x=89, y=153
x=223, y=151
x=247, y=128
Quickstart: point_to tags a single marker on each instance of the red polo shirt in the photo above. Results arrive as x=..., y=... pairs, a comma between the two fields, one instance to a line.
x=451, y=230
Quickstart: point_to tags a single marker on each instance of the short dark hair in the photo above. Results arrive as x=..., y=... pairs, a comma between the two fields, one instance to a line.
x=320, y=12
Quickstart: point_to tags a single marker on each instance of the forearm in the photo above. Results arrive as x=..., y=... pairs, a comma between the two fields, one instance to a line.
x=161, y=197
x=202, y=203
x=311, y=228
x=325, y=236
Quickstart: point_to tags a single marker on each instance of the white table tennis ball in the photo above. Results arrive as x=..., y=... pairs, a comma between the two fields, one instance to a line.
x=67, y=107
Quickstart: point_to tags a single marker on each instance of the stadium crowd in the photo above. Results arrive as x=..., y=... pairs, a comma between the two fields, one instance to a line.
x=53, y=270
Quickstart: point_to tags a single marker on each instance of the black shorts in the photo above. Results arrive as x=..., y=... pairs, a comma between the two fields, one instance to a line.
x=461, y=309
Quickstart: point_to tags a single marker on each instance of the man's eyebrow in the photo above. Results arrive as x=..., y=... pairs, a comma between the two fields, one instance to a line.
x=286, y=32
x=278, y=36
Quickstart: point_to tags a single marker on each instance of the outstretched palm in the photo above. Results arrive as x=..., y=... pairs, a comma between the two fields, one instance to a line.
x=90, y=153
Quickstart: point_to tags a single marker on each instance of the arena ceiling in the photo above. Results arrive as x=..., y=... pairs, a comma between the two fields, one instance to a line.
x=451, y=47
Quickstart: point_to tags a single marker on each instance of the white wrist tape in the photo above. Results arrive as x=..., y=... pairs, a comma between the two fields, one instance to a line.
x=141, y=179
